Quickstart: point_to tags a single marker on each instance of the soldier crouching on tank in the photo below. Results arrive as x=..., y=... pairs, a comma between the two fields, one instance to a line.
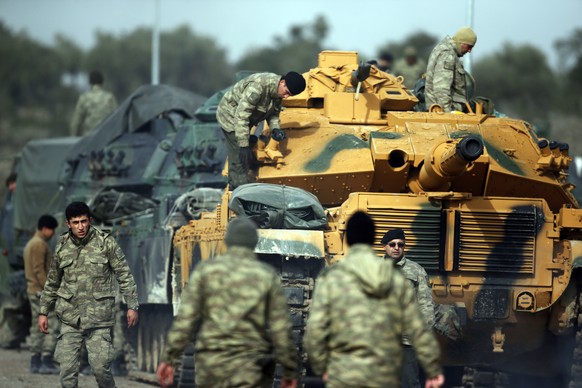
x=251, y=100
x=235, y=309
x=394, y=242
x=361, y=308
x=81, y=281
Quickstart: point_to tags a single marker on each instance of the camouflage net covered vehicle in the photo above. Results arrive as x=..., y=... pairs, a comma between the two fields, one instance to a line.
x=486, y=206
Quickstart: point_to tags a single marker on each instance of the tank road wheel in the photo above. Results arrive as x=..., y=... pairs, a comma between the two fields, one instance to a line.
x=154, y=323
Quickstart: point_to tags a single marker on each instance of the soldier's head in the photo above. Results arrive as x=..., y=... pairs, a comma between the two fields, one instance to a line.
x=410, y=54
x=291, y=84
x=11, y=182
x=46, y=225
x=96, y=77
x=465, y=39
x=360, y=229
x=394, y=242
x=78, y=217
x=241, y=232
x=385, y=61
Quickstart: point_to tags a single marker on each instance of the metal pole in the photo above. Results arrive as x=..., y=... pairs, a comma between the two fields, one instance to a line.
x=156, y=45
x=470, y=9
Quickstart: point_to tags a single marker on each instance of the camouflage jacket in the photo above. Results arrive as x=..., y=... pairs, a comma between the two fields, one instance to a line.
x=250, y=101
x=92, y=107
x=360, y=309
x=37, y=259
x=81, y=280
x=239, y=308
x=445, y=77
x=418, y=278
x=411, y=73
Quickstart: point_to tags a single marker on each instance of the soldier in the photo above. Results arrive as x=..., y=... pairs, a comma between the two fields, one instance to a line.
x=410, y=67
x=238, y=306
x=394, y=243
x=360, y=309
x=385, y=62
x=81, y=281
x=250, y=101
x=37, y=259
x=92, y=106
x=445, y=74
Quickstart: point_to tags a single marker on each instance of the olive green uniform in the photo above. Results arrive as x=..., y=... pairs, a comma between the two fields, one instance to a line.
x=81, y=281
x=361, y=307
x=411, y=73
x=235, y=309
x=250, y=101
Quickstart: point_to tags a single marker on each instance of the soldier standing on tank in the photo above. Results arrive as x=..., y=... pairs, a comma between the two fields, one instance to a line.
x=251, y=100
x=87, y=263
x=37, y=259
x=394, y=242
x=385, y=62
x=235, y=310
x=445, y=75
x=92, y=106
x=410, y=67
x=360, y=309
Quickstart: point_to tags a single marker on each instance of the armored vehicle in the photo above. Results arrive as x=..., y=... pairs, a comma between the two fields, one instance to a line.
x=486, y=205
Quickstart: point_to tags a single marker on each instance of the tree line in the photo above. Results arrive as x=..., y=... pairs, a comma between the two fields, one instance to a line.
x=41, y=82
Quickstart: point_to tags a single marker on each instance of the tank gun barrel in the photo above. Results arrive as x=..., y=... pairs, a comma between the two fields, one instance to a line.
x=445, y=162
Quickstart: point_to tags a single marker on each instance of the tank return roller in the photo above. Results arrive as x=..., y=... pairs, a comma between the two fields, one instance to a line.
x=445, y=162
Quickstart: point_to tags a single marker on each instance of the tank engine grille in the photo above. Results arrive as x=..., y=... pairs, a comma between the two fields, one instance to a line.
x=500, y=242
x=422, y=228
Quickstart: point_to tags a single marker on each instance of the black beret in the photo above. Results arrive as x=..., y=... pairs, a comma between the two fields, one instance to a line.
x=394, y=234
x=295, y=82
x=360, y=229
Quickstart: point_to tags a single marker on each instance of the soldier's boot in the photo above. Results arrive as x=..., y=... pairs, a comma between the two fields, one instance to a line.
x=118, y=367
x=35, y=363
x=48, y=366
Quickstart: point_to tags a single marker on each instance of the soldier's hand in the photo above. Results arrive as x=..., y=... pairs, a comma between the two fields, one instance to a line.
x=288, y=383
x=246, y=157
x=43, y=324
x=132, y=318
x=278, y=134
x=435, y=382
x=165, y=374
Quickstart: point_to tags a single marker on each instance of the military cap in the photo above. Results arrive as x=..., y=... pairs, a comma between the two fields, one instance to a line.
x=393, y=234
x=295, y=82
x=465, y=35
x=241, y=232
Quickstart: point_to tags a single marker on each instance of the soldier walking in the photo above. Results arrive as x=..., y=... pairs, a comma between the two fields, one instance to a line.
x=394, y=242
x=37, y=260
x=81, y=281
x=361, y=307
x=235, y=311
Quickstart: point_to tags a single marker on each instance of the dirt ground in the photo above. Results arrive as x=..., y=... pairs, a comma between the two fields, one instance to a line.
x=14, y=374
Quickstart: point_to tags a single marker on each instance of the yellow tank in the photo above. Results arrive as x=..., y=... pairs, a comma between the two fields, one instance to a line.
x=487, y=209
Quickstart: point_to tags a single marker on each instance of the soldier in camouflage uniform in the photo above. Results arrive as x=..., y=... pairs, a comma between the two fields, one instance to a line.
x=410, y=67
x=445, y=74
x=92, y=107
x=251, y=100
x=394, y=242
x=37, y=259
x=361, y=307
x=81, y=281
x=235, y=310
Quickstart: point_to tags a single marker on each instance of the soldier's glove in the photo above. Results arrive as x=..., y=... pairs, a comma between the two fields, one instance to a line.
x=245, y=156
x=278, y=134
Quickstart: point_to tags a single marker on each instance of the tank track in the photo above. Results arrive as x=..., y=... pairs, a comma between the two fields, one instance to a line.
x=576, y=369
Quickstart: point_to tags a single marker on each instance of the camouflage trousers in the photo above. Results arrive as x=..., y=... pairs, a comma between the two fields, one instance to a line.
x=237, y=174
x=99, y=349
x=42, y=343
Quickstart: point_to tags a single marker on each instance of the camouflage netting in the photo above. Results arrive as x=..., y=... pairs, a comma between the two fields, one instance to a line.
x=109, y=205
x=278, y=207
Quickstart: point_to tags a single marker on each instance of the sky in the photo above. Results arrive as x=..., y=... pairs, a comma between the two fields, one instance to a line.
x=362, y=25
